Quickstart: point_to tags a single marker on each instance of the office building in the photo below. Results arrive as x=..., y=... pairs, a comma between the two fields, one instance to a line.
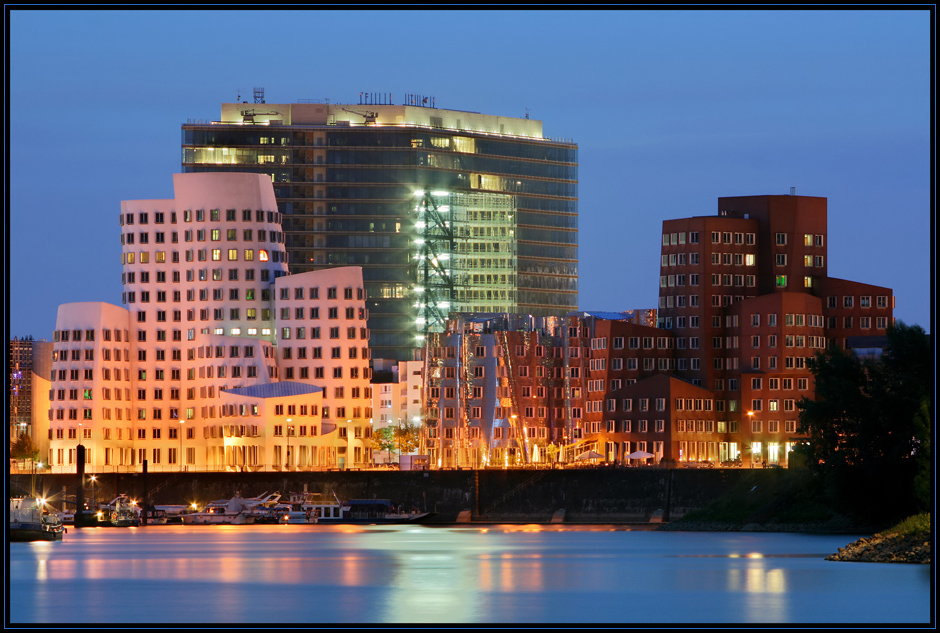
x=218, y=359
x=444, y=210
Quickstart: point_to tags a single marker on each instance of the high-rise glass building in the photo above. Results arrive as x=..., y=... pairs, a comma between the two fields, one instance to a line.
x=444, y=210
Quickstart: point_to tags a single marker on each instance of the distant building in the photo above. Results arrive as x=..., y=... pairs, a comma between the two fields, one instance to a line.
x=219, y=360
x=397, y=396
x=444, y=210
x=29, y=364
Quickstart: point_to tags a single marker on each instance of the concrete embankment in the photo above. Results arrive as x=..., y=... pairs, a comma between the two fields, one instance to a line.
x=589, y=495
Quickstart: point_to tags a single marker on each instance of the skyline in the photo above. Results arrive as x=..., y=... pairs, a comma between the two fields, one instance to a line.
x=833, y=103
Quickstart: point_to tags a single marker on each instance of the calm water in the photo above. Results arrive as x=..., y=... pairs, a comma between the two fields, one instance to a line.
x=410, y=574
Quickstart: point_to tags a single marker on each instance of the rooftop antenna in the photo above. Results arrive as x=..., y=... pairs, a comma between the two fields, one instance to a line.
x=527, y=113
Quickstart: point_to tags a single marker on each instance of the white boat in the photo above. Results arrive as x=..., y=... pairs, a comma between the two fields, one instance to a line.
x=124, y=512
x=172, y=514
x=297, y=516
x=234, y=511
x=30, y=521
x=323, y=507
x=66, y=517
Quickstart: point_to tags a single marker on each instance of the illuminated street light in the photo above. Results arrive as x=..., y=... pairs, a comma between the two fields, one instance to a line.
x=348, y=444
x=181, y=445
x=750, y=443
x=290, y=430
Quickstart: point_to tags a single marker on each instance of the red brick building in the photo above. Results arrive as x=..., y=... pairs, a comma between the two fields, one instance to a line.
x=745, y=300
x=749, y=299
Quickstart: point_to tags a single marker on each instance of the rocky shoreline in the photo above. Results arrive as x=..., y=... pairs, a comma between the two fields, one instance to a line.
x=894, y=548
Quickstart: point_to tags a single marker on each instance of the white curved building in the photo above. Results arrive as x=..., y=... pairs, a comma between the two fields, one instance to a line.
x=212, y=363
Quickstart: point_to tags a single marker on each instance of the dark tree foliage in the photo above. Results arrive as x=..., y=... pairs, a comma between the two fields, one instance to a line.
x=24, y=448
x=866, y=425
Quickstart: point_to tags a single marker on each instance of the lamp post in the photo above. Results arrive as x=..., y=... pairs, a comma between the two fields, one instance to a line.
x=348, y=444
x=371, y=443
x=181, y=444
x=750, y=430
x=399, y=442
x=513, y=431
x=94, y=498
x=290, y=430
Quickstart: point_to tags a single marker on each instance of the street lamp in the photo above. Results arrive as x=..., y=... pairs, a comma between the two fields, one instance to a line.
x=750, y=443
x=513, y=427
x=348, y=444
x=400, y=438
x=94, y=498
x=371, y=443
x=181, y=444
x=32, y=477
x=290, y=430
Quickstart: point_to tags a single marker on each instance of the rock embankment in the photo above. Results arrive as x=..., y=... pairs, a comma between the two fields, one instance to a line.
x=894, y=548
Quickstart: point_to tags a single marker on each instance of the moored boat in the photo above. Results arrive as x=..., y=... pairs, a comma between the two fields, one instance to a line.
x=233, y=511
x=30, y=521
x=329, y=510
x=124, y=512
x=377, y=511
x=298, y=516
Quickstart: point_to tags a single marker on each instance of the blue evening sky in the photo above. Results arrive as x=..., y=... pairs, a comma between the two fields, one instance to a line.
x=670, y=109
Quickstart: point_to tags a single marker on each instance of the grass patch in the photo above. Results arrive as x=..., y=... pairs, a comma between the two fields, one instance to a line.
x=917, y=525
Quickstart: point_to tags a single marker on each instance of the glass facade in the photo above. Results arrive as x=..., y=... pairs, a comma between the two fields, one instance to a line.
x=347, y=195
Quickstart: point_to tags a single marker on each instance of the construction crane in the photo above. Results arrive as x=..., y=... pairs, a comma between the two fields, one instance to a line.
x=249, y=115
x=369, y=116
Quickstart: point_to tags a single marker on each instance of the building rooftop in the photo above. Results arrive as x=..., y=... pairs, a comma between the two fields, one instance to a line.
x=275, y=390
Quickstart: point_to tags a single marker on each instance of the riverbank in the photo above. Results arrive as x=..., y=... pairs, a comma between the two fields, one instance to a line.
x=896, y=548
x=910, y=541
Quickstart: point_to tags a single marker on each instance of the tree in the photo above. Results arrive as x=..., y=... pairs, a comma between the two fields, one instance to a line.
x=923, y=480
x=862, y=424
x=383, y=440
x=23, y=447
x=407, y=437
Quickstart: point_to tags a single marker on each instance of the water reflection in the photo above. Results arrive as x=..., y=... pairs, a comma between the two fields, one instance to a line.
x=559, y=574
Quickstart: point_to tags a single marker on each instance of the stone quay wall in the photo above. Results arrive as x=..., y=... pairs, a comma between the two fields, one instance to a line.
x=587, y=495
